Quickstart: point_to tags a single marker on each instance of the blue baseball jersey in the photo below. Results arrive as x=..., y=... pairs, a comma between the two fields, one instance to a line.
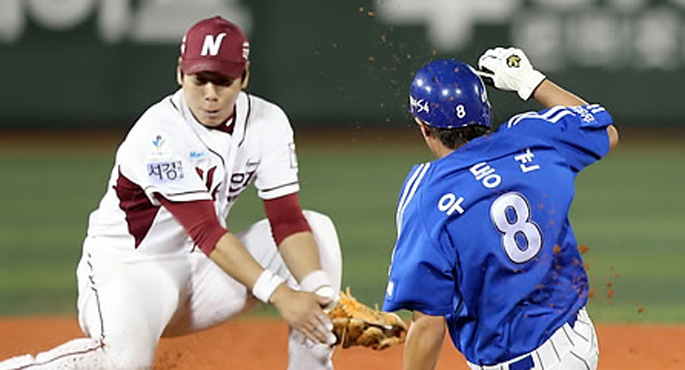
x=484, y=237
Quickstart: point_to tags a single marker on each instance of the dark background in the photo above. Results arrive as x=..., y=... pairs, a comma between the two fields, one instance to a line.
x=337, y=63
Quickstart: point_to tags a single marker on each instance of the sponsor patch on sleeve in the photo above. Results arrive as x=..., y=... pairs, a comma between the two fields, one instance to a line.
x=165, y=171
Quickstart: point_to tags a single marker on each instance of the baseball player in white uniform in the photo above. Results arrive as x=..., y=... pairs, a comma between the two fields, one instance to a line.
x=158, y=259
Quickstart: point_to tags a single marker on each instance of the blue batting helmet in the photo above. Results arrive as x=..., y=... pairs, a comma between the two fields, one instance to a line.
x=449, y=94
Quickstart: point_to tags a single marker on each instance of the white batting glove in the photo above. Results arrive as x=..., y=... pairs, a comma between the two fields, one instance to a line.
x=510, y=70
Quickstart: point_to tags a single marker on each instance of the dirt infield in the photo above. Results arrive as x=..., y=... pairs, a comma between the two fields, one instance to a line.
x=251, y=344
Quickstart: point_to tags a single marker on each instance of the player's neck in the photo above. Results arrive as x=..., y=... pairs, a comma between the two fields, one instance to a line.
x=227, y=126
x=438, y=148
x=444, y=153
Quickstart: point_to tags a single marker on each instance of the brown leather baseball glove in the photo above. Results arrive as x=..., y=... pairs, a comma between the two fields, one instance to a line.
x=356, y=324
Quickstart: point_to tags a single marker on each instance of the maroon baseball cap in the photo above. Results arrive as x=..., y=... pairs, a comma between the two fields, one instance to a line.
x=215, y=45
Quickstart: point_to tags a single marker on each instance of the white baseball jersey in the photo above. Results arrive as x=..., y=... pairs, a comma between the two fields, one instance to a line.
x=168, y=152
x=137, y=279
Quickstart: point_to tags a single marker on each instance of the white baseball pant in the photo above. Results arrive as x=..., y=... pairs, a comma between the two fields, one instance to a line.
x=569, y=348
x=129, y=299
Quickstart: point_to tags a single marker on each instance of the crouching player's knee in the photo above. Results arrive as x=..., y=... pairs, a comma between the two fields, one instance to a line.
x=326, y=238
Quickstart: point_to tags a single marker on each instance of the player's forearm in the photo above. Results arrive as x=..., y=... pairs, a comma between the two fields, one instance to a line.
x=613, y=136
x=235, y=260
x=424, y=342
x=301, y=254
x=299, y=309
x=550, y=95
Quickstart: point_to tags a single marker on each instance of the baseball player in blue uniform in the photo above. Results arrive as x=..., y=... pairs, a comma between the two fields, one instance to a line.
x=485, y=247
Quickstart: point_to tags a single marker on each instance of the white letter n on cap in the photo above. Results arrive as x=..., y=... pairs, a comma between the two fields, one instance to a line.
x=212, y=46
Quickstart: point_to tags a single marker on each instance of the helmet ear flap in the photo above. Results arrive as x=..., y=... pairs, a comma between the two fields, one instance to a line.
x=449, y=94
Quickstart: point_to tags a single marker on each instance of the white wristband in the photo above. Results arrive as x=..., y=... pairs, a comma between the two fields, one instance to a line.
x=314, y=281
x=266, y=284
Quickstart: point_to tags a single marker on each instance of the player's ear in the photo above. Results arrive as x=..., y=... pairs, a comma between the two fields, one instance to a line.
x=425, y=131
x=246, y=76
x=179, y=74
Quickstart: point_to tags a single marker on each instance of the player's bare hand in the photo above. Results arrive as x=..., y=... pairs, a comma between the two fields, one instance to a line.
x=302, y=311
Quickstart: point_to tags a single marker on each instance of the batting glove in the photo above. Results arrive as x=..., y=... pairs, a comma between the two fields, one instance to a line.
x=510, y=70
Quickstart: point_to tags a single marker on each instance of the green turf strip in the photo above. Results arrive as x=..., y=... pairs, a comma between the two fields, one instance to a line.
x=629, y=210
